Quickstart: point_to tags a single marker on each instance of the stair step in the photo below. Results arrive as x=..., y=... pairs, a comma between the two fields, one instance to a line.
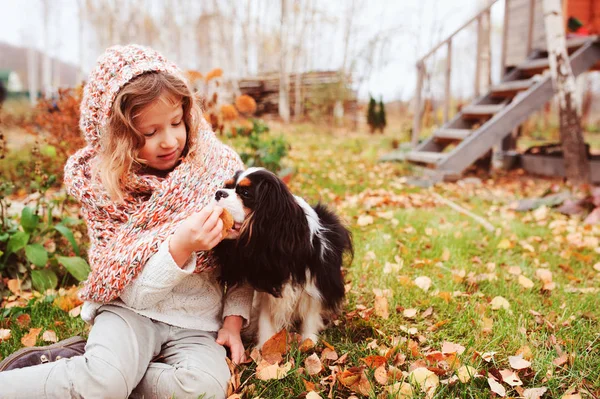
x=452, y=134
x=579, y=41
x=425, y=156
x=478, y=111
x=510, y=88
x=539, y=63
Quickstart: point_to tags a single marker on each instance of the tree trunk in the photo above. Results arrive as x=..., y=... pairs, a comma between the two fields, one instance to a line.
x=576, y=161
x=284, y=87
x=46, y=61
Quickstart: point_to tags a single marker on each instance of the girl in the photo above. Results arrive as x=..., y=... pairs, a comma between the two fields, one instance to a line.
x=145, y=182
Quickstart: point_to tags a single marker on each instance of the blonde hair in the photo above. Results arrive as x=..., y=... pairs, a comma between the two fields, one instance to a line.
x=122, y=141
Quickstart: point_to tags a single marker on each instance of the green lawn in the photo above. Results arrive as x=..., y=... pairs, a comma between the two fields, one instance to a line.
x=402, y=237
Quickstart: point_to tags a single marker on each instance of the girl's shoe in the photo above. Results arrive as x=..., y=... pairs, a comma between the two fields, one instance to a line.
x=74, y=346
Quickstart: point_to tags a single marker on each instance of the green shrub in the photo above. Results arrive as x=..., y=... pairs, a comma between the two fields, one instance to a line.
x=37, y=246
x=266, y=152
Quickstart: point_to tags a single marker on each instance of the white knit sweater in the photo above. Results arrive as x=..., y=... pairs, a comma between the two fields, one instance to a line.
x=165, y=292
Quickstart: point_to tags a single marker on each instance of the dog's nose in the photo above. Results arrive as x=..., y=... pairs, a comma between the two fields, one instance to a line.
x=221, y=194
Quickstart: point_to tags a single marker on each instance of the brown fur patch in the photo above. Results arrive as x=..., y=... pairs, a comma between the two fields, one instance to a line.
x=245, y=182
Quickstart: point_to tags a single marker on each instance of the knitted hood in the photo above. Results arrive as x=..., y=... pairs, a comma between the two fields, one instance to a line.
x=117, y=66
x=123, y=236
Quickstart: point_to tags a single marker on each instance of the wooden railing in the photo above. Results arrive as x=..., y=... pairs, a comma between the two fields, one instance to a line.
x=482, y=18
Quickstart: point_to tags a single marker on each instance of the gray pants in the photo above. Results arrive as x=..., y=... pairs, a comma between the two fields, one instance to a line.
x=118, y=363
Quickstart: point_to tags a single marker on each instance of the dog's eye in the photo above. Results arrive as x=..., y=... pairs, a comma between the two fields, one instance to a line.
x=245, y=193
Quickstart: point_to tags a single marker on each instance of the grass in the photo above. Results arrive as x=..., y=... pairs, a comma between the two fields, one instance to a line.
x=467, y=265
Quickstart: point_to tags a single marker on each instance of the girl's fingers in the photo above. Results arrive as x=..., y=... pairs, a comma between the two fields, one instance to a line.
x=213, y=218
x=202, y=216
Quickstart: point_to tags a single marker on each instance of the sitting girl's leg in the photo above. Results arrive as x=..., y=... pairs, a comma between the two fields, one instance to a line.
x=120, y=347
x=192, y=365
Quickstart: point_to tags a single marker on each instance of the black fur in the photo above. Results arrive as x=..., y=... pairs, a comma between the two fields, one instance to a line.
x=275, y=246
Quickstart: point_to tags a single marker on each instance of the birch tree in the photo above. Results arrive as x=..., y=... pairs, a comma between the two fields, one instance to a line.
x=576, y=163
x=284, y=86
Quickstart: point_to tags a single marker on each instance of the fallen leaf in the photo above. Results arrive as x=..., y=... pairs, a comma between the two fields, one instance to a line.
x=14, y=285
x=381, y=375
x=306, y=345
x=446, y=254
x=275, y=347
x=450, y=347
x=364, y=220
x=30, y=338
x=465, y=373
x=427, y=380
x=423, y=282
x=597, y=267
x=534, y=393
x=496, y=387
x=374, y=361
x=356, y=380
x=518, y=363
x=76, y=311
x=500, y=303
x=400, y=390
x=504, y=244
x=562, y=359
x=409, y=313
x=382, y=307
x=510, y=377
x=329, y=354
x=313, y=395
x=525, y=282
x=488, y=356
x=313, y=364
x=49, y=336
x=4, y=334
x=24, y=320
x=267, y=371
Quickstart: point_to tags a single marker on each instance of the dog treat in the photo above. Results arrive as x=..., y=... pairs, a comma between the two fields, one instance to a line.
x=227, y=220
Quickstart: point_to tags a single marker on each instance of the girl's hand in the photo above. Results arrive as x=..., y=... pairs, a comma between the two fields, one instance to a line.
x=201, y=231
x=229, y=336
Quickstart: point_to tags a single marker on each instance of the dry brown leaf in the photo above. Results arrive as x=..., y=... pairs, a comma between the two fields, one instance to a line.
x=275, y=347
x=382, y=307
x=267, y=371
x=75, y=312
x=450, y=347
x=306, y=345
x=381, y=375
x=500, y=303
x=510, y=377
x=329, y=354
x=465, y=373
x=356, y=380
x=534, y=393
x=427, y=380
x=518, y=363
x=4, y=334
x=488, y=356
x=525, y=282
x=496, y=387
x=49, y=336
x=30, y=338
x=562, y=359
x=400, y=390
x=374, y=361
x=14, y=285
x=409, y=313
x=308, y=385
x=24, y=320
x=364, y=220
x=446, y=254
x=423, y=282
x=313, y=364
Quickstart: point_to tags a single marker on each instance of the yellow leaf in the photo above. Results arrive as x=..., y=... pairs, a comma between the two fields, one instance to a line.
x=381, y=375
x=465, y=373
x=504, y=244
x=364, y=220
x=266, y=371
x=446, y=255
x=500, y=303
x=525, y=282
x=400, y=390
x=382, y=307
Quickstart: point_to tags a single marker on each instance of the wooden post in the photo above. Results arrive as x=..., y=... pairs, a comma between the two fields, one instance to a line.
x=418, y=106
x=447, y=98
x=577, y=166
x=531, y=25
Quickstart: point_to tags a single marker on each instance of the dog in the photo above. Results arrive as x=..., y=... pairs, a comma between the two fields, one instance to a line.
x=291, y=253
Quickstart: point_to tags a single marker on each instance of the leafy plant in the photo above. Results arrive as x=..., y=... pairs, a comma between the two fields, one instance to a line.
x=28, y=248
x=266, y=152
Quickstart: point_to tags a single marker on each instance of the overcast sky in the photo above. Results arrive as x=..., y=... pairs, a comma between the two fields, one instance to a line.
x=392, y=76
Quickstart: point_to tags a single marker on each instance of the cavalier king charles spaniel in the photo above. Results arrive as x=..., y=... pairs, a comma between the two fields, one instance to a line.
x=289, y=252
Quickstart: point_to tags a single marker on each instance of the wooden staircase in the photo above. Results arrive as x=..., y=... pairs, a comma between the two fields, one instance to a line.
x=493, y=116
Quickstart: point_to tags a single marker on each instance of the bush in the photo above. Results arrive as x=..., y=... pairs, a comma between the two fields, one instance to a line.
x=262, y=151
x=39, y=247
